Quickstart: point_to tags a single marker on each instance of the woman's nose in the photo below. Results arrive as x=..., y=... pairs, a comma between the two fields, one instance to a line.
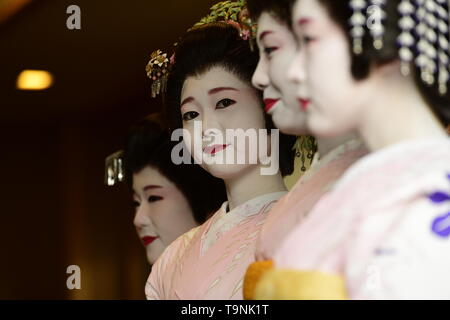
x=296, y=71
x=211, y=127
x=260, y=78
x=140, y=218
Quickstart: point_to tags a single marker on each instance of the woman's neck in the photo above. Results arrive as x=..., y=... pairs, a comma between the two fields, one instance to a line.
x=251, y=184
x=326, y=145
x=397, y=113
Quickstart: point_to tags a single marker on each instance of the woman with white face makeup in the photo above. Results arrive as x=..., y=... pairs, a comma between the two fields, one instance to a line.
x=210, y=85
x=383, y=232
x=277, y=47
x=166, y=204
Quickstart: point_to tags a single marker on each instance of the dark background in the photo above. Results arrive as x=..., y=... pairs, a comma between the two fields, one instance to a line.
x=55, y=209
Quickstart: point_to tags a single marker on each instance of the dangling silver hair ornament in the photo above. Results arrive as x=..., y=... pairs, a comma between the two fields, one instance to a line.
x=376, y=14
x=443, y=41
x=367, y=15
x=358, y=21
x=427, y=23
x=424, y=37
x=406, y=39
x=114, y=171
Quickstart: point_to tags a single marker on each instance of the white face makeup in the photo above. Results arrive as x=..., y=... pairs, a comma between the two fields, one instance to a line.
x=277, y=47
x=162, y=212
x=221, y=101
x=324, y=67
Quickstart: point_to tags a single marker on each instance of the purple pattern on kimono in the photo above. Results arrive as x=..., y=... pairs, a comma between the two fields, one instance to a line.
x=441, y=225
x=438, y=197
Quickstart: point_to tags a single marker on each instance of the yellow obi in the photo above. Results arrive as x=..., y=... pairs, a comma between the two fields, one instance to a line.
x=285, y=284
x=253, y=275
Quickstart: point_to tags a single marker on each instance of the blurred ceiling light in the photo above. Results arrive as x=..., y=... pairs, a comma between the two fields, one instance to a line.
x=9, y=8
x=34, y=80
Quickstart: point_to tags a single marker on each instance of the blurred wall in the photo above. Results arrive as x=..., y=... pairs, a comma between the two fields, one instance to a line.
x=55, y=209
x=57, y=212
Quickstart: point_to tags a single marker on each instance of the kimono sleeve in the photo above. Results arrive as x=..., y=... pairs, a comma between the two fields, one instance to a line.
x=411, y=260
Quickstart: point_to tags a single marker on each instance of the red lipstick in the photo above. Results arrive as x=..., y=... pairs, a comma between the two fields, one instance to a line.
x=148, y=240
x=270, y=103
x=304, y=104
x=215, y=148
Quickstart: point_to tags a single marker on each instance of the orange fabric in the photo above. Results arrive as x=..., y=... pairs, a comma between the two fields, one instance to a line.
x=285, y=284
x=253, y=275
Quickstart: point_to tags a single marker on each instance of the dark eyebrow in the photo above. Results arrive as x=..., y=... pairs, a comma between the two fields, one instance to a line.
x=265, y=33
x=216, y=90
x=150, y=187
x=187, y=100
x=210, y=92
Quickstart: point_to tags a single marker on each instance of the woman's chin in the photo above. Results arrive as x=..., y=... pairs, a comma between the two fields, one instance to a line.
x=324, y=128
x=154, y=253
x=294, y=129
x=289, y=122
x=227, y=171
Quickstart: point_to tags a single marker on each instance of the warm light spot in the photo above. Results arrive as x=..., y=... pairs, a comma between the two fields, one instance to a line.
x=34, y=80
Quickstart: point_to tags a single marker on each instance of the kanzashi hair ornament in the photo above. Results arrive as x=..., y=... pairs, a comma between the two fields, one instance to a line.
x=443, y=45
x=230, y=12
x=426, y=60
x=114, y=171
x=234, y=13
x=305, y=147
x=157, y=71
x=358, y=21
x=424, y=35
x=376, y=15
x=406, y=39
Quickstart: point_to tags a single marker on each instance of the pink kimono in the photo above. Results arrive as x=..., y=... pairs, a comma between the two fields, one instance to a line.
x=293, y=207
x=385, y=228
x=209, y=261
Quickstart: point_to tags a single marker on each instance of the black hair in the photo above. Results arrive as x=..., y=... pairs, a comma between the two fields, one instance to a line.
x=218, y=45
x=280, y=9
x=149, y=145
x=340, y=12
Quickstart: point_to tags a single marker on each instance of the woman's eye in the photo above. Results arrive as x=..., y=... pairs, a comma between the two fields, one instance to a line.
x=306, y=39
x=136, y=204
x=224, y=103
x=190, y=115
x=269, y=50
x=154, y=198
